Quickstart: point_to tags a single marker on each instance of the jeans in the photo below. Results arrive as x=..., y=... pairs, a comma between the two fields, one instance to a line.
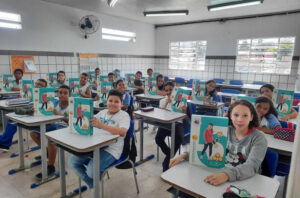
x=83, y=166
x=8, y=135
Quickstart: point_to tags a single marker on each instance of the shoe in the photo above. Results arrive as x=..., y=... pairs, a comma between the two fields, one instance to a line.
x=50, y=172
x=4, y=148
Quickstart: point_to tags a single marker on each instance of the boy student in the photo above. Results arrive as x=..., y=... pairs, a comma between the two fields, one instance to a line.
x=60, y=108
x=61, y=77
x=85, y=88
x=160, y=85
x=149, y=72
x=111, y=78
x=138, y=83
x=114, y=121
x=18, y=73
x=10, y=130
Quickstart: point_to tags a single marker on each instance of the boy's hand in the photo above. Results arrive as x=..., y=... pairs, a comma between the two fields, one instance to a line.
x=56, y=112
x=217, y=179
x=169, y=100
x=95, y=122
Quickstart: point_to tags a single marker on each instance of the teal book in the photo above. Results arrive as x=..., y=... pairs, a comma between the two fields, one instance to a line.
x=81, y=111
x=117, y=75
x=105, y=87
x=198, y=90
x=52, y=80
x=283, y=101
x=179, y=99
x=208, y=141
x=6, y=82
x=92, y=77
x=129, y=78
x=248, y=98
x=27, y=89
x=103, y=78
x=44, y=101
x=155, y=74
x=150, y=86
x=74, y=86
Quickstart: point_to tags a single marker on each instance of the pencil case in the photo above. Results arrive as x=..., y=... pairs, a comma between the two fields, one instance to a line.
x=147, y=109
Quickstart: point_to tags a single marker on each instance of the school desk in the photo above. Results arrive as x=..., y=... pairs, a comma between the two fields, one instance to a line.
x=281, y=146
x=190, y=179
x=218, y=107
x=81, y=143
x=131, y=90
x=140, y=98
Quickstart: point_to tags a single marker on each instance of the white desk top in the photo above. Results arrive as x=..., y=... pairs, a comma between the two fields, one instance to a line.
x=33, y=120
x=229, y=94
x=279, y=145
x=81, y=143
x=3, y=105
x=190, y=178
x=161, y=115
x=131, y=89
x=251, y=86
x=149, y=97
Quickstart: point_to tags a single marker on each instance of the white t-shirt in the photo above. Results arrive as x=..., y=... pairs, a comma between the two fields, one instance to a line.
x=64, y=112
x=85, y=87
x=120, y=120
x=163, y=102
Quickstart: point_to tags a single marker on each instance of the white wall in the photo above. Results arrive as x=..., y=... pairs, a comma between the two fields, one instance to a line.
x=222, y=38
x=48, y=27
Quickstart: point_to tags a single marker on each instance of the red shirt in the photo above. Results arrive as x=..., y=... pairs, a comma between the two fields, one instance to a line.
x=208, y=136
x=78, y=111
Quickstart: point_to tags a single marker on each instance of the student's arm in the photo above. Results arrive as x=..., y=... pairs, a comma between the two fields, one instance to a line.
x=65, y=119
x=176, y=160
x=138, y=87
x=87, y=94
x=292, y=115
x=126, y=101
x=15, y=89
x=265, y=130
x=163, y=103
x=163, y=93
x=273, y=124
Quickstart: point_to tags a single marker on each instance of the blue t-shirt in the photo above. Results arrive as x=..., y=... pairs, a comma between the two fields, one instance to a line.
x=126, y=99
x=269, y=121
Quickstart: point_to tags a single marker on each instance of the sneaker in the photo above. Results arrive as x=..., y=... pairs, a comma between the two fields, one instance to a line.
x=38, y=158
x=50, y=172
x=4, y=148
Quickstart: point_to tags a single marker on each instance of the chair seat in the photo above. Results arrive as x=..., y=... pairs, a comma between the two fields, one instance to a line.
x=123, y=158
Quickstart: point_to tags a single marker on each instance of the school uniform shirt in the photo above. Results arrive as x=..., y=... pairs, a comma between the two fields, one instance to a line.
x=138, y=83
x=16, y=85
x=126, y=99
x=121, y=120
x=244, y=156
x=64, y=112
x=214, y=97
x=162, y=104
x=269, y=121
x=84, y=88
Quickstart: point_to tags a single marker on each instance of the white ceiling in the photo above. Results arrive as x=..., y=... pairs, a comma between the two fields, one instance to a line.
x=133, y=9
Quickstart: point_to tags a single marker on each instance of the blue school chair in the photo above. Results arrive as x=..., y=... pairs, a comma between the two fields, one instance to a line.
x=179, y=81
x=233, y=91
x=296, y=108
x=287, y=124
x=166, y=79
x=190, y=82
x=259, y=83
x=236, y=82
x=219, y=80
x=296, y=95
x=269, y=164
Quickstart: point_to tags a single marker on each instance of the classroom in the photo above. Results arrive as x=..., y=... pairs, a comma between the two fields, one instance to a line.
x=146, y=98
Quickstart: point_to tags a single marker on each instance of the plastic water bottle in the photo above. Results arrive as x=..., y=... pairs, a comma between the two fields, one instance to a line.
x=27, y=163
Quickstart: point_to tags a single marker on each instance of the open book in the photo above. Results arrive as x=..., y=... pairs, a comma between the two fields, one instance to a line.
x=283, y=101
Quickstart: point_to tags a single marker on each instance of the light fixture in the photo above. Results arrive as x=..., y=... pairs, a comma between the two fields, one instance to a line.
x=233, y=4
x=118, y=32
x=166, y=13
x=111, y=3
x=11, y=25
x=10, y=17
x=118, y=38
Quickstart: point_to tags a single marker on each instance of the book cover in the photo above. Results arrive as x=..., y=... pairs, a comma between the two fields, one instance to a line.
x=44, y=101
x=27, y=89
x=92, y=77
x=103, y=78
x=81, y=111
x=129, y=78
x=179, y=99
x=150, y=86
x=248, y=98
x=198, y=90
x=283, y=101
x=208, y=141
x=117, y=75
x=6, y=82
x=105, y=88
x=52, y=80
x=74, y=86
x=155, y=74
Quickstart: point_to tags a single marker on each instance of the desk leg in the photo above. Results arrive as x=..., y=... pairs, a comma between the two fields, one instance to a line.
x=141, y=139
x=173, y=140
x=44, y=151
x=62, y=172
x=21, y=147
x=96, y=171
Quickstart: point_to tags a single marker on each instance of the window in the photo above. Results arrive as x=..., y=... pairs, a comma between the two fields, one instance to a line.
x=188, y=55
x=10, y=20
x=265, y=55
x=118, y=35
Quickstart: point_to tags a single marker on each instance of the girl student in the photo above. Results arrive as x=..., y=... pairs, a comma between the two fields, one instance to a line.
x=246, y=145
x=268, y=115
x=210, y=95
x=267, y=91
x=160, y=85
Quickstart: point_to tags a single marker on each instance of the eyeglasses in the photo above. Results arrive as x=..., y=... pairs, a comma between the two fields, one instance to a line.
x=240, y=192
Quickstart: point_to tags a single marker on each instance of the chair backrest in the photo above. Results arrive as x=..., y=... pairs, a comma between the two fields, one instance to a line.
x=166, y=78
x=259, y=83
x=296, y=107
x=236, y=82
x=179, y=80
x=287, y=125
x=219, y=80
x=131, y=101
x=296, y=95
x=234, y=91
x=269, y=165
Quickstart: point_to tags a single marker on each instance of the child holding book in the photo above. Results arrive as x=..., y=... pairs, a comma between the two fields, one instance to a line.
x=160, y=85
x=245, y=143
x=85, y=88
x=149, y=72
x=61, y=77
x=210, y=95
x=267, y=114
x=162, y=133
x=267, y=91
x=112, y=120
x=138, y=83
x=18, y=73
x=120, y=85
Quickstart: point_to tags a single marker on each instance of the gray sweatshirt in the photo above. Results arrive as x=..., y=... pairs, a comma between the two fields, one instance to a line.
x=244, y=156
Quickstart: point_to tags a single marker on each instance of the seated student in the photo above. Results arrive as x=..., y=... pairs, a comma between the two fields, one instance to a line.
x=267, y=114
x=267, y=91
x=85, y=88
x=61, y=77
x=210, y=95
x=112, y=120
x=10, y=130
x=245, y=143
x=149, y=72
x=120, y=85
x=111, y=78
x=162, y=133
x=160, y=85
x=18, y=73
x=97, y=72
x=61, y=108
x=138, y=83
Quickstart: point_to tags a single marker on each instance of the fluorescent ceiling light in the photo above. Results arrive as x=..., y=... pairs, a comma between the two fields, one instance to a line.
x=11, y=25
x=118, y=38
x=118, y=32
x=234, y=4
x=112, y=3
x=10, y=16
x=166, y=13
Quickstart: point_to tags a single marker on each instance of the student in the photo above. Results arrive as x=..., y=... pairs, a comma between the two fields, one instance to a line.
x=268, y=115
x=267, y=91
x=61, y=77
x=149, y=72
x=245, y=143
x=138, y=83
x=97, y=72
x=61, y=108
x=112, y=120
x=160, y=85
x=18, y=73
x=10, y=130
x=120, y=85
x=162, y=133
x=209, y=95
x=85, y=88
